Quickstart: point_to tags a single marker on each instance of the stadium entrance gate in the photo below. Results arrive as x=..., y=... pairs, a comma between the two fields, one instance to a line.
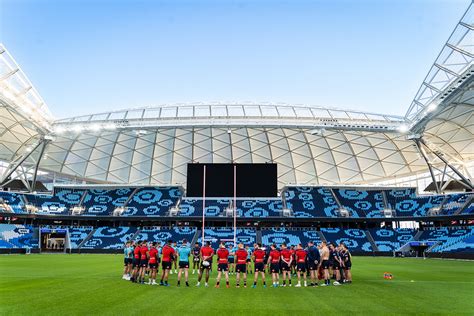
x=53, y=240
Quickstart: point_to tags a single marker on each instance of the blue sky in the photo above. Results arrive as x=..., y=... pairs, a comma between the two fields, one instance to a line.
x=92, y=56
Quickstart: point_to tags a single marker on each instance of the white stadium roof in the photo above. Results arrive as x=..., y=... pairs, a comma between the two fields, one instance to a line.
x=311, y=145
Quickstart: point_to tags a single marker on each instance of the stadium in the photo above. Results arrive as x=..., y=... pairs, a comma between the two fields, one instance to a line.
x=396, y=191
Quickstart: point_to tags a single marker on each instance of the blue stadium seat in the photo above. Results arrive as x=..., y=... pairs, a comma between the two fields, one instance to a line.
x=14, y=200
x=215, y=235
x=291, y=237
x=454, y=202
x=152, y=201
x=451, y=239
x=59, y=204
x=354, y=239
x=110, y=237
x=104, y=202
x=17, y=236
x=391, y=239
x=406, y=203
x=307, y=202
x=361, y=203
x=163, y=234
x=259, y=207
x=78, y=235
x=193, y=207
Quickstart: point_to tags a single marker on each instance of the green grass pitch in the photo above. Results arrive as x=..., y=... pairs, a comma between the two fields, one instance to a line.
x=92, y=285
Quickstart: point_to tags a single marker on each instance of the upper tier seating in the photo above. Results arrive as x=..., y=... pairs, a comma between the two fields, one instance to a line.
x=17, y=236
x=259, y=207
x=361, y=203
x=163, y=234
x=152, y=201
x=59, y=204
x=193, y=207
x=78, y=235
x=110, y=237
x=291, y=237
x=307, y=202
x=406, y=203
x=454, y=202
x=215, y=235
x=104, y=202
x=354, y=239
x=391, y=239
x=469, y=209
x=14, y=200
x=451, y=239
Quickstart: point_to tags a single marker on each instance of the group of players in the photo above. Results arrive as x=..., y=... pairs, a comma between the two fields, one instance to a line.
x=318, y=263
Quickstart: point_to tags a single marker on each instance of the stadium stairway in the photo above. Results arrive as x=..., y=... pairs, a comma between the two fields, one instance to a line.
x=258, y=236
x=384, y=198
x=321, y=235
x=196, y=237
x=371, y=240
x=418, y=235
x=130, y=197
x=463, y=207
x=87, y=238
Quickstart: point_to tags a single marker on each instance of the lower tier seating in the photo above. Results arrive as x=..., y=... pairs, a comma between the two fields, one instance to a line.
x=17, y=236
x=291, y=237
x=163, y=234
x=450, y=239
x=110, y=237
x=391, y=239
x=77, y=235
x=354, y=239
x=247, y=236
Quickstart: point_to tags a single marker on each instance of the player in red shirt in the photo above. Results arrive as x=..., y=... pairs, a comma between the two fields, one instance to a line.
x=153, y=263
x=286, y=261
x=136, y=261
x=241, y=267
x=222, y=264
x=274, y=263
x=293, y=260
x=300, y=255
x=143, y=262
x=168, y=254
x=258, y=259
x=206, y=262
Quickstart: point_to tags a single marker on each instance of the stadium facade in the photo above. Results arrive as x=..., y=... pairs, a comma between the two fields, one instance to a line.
x=315, y=148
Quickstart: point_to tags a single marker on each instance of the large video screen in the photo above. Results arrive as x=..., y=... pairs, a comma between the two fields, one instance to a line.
x=253, y=180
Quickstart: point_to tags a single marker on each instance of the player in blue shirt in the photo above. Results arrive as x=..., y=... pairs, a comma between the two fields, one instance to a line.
x=127, y=260
x=231, y=259
x=183, y=252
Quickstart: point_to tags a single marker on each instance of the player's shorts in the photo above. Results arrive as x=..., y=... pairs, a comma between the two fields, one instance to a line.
x=206, y=268
x=166, y=265
x=183, y=265
x=222, y=267
x=301, y=266
x=144, y=263
x=336, y=265
x=231, y=260
x=312, y=266
x=259, y=267
x=293, y=263
x=127, y=261
x=285, y=266
x=275, y=267
x=325, y=264
x=348, y=266
x=135, y=262
x=153, y=265
x=241, y=267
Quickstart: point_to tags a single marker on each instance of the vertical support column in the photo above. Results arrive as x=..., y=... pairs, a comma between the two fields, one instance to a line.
x=433, y=178
x=35, y=172
x=235, y=205
x=203, y=201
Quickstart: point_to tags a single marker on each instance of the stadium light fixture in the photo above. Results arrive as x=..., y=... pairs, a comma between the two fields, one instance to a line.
x=403, y=128
x=432, y=107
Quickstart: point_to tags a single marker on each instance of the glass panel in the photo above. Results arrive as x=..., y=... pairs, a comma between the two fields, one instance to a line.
x=168, y=112
x=235, y=110
x=152, y=113
x=202, y=111
x=251, y=110
x=185, y=111
x=135, y=114
x=269, y=111
x=218, y=110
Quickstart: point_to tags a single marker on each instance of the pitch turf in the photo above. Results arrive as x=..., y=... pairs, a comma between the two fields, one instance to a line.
x=91, y=284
